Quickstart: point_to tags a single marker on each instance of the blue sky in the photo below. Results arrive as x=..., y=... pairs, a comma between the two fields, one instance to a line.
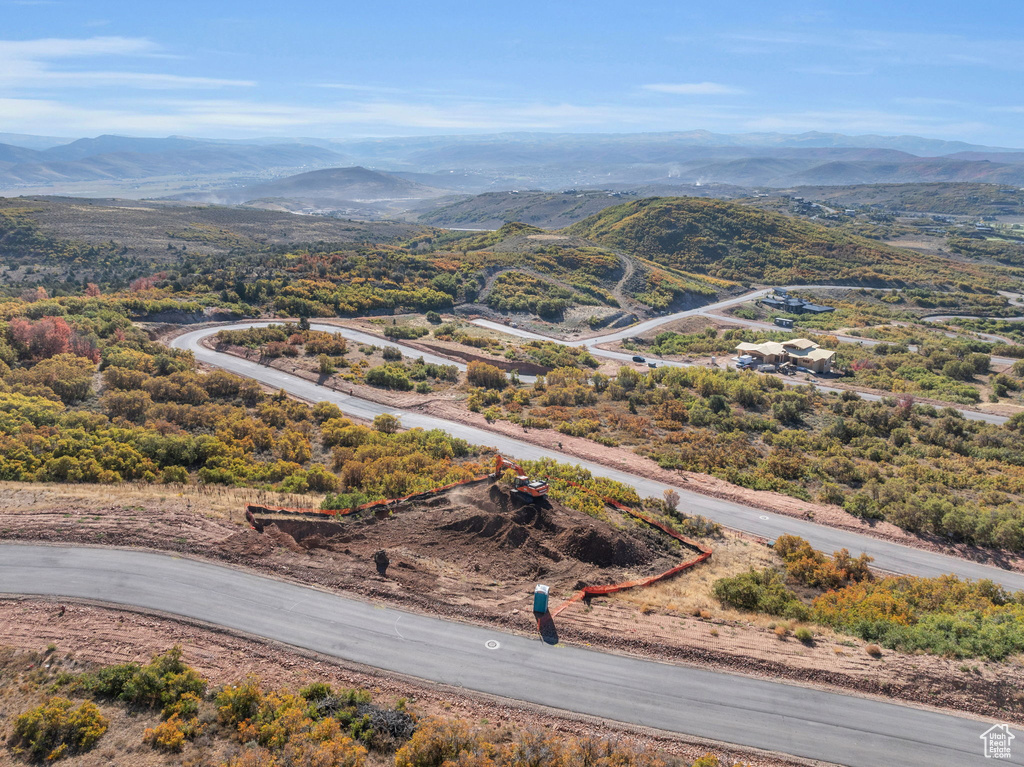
x=344, y=69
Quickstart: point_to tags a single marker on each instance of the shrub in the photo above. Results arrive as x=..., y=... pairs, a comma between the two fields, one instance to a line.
x=240, y=702
x=873, y=650
x=487, y=376
x=671, y=499
x=162, y=682
x=760, y=591
x=944, y=615
x=831, y=493
x=435, y=743
x=174, y=475
x=804, y=634
x=387, y=423
x=57, y=729
x=168, y=735
x=391, y=353
x=325, y=411
x=338, y=501
x=316, y=691
x=389, y=376
x=405, y=332
x=812, y=568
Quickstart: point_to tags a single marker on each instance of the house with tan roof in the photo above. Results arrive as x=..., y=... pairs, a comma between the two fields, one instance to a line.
x=798, y=351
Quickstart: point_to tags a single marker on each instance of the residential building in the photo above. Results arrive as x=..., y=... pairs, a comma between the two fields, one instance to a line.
x=784, y=303
x=799, y=351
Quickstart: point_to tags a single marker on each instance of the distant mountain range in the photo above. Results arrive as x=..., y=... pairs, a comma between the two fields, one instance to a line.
x=256, y=169
x=122, y=158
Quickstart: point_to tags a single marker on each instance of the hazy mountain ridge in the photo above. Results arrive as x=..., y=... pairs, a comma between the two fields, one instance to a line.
x=354, y=191
x=114, y=157
x=500, y=161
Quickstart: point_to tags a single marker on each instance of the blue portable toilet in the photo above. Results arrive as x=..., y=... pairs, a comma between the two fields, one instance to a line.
x=540, y=598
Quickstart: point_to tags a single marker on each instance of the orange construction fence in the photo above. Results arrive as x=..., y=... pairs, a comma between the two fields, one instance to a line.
x=585, y=593
x=254, y=508
x=592, y=591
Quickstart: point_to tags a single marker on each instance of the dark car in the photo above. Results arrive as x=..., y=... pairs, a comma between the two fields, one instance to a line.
x=638, y=358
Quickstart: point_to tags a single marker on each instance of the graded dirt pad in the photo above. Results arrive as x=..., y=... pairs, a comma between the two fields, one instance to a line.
x=488, y=531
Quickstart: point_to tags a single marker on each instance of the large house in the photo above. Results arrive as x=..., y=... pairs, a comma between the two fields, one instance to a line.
x=783, y=302
x=798, y=351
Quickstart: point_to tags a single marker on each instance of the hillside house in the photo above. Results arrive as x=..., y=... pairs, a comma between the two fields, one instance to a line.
x=784, y=303
x=799, y=351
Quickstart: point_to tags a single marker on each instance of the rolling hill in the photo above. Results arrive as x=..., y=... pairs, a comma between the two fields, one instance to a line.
x=330, y=186
x=552, y=210
x=734, y=242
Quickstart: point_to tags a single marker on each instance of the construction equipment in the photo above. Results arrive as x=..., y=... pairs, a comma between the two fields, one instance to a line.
x=532, y=490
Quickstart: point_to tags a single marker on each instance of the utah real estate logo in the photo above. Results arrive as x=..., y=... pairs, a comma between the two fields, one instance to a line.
x=997, y=741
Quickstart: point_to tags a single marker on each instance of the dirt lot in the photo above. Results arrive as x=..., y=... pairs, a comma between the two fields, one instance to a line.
x=91, y=634
x=435, y=570
x=483, y=537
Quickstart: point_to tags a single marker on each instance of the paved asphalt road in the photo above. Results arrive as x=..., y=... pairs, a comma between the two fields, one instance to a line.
x=889, y=556
x=708, y=311
x=796, y=720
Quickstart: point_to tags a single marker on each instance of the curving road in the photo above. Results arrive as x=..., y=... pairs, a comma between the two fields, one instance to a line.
x=813, y=724
x=708, y=311
x=888, y=556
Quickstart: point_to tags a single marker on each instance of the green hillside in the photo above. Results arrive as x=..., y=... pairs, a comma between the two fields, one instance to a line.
x=733, y=242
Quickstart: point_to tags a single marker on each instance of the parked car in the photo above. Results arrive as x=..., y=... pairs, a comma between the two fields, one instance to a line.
x=638, y=358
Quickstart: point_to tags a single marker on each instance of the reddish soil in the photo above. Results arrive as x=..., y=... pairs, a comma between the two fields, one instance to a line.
x=485, y=530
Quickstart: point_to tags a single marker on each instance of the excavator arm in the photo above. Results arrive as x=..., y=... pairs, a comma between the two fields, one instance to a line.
x=533, y=489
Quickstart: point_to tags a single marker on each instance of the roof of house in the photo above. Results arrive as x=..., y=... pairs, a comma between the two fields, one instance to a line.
x=768, y=347
x=799, y=348
x=799, y=343
x=816, y=354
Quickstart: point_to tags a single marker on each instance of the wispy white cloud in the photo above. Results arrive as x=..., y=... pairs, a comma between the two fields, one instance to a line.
x=46, y=48
x=886, y=47
x=926, y=101
x=865, y=121
x=693, y=89
x=358, y=88
x=31, y=64
x=232, y=117
x=836, y=71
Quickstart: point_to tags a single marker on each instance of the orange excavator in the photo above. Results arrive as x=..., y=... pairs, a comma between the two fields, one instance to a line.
x=532, y=489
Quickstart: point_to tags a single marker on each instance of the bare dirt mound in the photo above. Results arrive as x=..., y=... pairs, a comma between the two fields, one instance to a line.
x=486, y=529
